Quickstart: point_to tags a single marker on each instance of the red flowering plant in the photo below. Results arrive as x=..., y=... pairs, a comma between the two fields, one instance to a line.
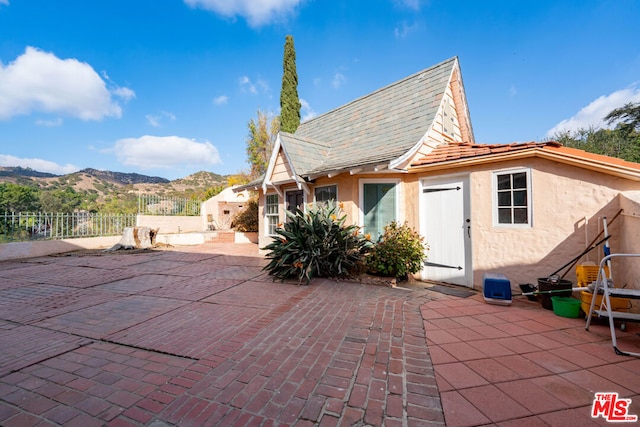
x=316, y=243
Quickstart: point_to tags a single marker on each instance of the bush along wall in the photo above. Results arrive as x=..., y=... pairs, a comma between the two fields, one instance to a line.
x=399, y=252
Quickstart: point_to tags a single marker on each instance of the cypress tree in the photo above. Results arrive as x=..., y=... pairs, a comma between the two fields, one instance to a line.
x=289, y=101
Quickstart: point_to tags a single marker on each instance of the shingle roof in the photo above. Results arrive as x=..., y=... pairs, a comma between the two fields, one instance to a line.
x=304, y=154
x=375, y=128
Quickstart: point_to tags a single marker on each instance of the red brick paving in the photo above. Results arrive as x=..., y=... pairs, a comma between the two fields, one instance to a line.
x=538, y=369
x=202, y=336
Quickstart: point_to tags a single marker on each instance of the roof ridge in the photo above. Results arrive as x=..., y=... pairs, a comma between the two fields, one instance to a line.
x=412, y=76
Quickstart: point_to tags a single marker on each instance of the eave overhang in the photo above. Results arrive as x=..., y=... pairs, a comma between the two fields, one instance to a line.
x=595, y=165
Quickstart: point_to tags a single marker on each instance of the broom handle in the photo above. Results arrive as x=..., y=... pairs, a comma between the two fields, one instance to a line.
x=590, y=245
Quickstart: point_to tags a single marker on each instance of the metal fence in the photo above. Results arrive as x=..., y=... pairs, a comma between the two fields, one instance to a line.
x=21, y=226
x=149, y=204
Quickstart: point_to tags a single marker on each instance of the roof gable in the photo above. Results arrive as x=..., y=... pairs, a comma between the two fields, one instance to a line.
x=381, y=126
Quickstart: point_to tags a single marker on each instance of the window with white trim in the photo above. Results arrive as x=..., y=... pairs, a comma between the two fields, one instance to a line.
x=326, y=193
x=271, y=213
x=512, y=201
x=379, y=205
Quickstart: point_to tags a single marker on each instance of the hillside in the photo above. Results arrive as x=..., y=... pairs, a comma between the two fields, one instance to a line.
x=17, y=171
x=107, y=184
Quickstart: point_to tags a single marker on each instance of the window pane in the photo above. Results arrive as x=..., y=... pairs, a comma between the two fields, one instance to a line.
x=520, y=180
x=520, y=216
x=512, y=198
x=504, y=182
x=520, y=198
x=379, y=207
x=504, y=198
x=504, y=216
x=271, y=211
x=272, y=224
x=325, y=194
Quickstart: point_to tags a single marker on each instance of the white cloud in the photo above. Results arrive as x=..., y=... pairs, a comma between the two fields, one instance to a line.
x=246, y=85
x=405, y=29
x=49, y=123
x=149, y=152
x=37, y=164
x=153, y=120
x=221, y=100
x=40, y=81
x=4, y=2
x=513, y=91
x=125, y=93
x=156, y=120
x=338, y=80
x=307, y=111
x=256, y=12
x=593, y=114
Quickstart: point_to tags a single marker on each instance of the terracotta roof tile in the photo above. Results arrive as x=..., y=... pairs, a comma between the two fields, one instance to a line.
x=462, y=150
x=459, y=151
x=594, y=157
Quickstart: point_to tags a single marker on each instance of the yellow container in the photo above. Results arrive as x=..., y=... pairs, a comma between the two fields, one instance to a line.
x=587, y=274
x=617, y=304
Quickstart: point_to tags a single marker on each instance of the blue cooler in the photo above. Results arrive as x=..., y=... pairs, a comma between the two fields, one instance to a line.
x=496, y=289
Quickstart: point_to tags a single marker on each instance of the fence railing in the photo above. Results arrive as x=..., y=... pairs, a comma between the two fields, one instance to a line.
x=149, y=204
x=21, y=226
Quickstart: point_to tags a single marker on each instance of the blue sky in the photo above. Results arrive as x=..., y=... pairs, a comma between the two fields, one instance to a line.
x=166, y=88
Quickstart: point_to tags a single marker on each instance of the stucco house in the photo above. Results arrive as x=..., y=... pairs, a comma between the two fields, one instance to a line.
x=407, y=152
x=218, y=211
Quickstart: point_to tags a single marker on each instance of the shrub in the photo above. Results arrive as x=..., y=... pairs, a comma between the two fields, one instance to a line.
x=316, y=244
x=400, y=252
x=247, y=220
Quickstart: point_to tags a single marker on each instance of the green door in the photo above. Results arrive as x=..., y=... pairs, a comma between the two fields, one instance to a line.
x=379, y=206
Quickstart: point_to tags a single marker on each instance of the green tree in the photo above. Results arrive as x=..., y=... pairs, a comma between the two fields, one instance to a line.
x=627, y=117
x=124, y=203
x=18, y=198
x=62, y=200
x=622, y=142
x=260, y=141
x=212, y=192
x=289, y=101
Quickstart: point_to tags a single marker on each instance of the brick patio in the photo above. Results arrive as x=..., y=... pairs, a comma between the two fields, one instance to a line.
x=201, y=336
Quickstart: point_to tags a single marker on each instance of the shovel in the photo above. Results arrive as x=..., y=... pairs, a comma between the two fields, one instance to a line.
x=530, y=291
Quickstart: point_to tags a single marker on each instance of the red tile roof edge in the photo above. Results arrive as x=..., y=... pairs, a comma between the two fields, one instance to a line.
x=463, y=150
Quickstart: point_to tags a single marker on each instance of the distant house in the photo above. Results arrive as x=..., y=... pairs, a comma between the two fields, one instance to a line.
x=407, y=152
x=219, y=210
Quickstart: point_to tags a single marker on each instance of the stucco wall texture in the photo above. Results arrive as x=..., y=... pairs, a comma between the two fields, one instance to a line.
x=568, y=204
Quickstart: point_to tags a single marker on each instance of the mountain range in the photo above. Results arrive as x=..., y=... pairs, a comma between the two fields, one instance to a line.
x=103, y=183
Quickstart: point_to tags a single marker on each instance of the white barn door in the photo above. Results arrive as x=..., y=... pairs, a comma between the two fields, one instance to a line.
x=446, y=225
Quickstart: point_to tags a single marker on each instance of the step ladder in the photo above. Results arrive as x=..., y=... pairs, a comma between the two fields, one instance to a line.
x=604, y=285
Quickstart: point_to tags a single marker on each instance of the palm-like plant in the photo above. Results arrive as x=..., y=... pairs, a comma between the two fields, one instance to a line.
x=316, y=243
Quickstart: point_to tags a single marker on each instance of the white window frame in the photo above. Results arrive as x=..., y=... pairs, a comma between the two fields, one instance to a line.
x=269, y=227
x=325, y=186
x=494, y=193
